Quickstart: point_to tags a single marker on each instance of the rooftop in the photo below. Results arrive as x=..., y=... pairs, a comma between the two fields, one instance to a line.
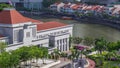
x=13, y=17
x=48, y=25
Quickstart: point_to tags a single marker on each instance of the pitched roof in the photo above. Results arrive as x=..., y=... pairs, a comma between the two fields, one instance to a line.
x=49, y=25
x=13, y=17
x=33, y=20
x=75, y=7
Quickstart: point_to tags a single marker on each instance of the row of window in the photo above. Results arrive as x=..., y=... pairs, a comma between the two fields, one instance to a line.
x=62, y=44
x=53, y=34
x=62, y=41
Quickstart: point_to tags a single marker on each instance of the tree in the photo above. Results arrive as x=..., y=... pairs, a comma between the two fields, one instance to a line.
x=14, y=58
x=44, y=54
x=3, y=45
x=56, y=54
x=4, y=6
x=100, y=45
x=113, y=46
x=77, y=40
x=5, y=60
x=8, y=60
x=88, y=41
x=110, y=55
x=23, y=53
x=64, y=55
x=47, y=3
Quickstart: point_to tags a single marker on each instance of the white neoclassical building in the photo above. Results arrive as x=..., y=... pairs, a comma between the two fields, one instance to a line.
x=17, y=31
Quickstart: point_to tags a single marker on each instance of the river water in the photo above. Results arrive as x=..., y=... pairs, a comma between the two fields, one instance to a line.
x=89, y=30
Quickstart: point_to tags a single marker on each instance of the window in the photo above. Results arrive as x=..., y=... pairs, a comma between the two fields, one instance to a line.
x=66, y=40
x=28, y=34
x=57, y=42
x=51, y=41
x=60, y=41
x=16, y=35
x=20, y=35
x=63, y=41
x=33, y=31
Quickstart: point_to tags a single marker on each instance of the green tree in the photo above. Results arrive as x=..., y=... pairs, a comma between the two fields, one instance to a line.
x=88, y=41
x=47, y=3
x=8, y=60
x=111, y=55
x=3, y=45
x=44, y=54
x=77, y=40
x=64, y=55
x=113, y=46
x=14, y=60
x=23, y=53
x=56, y=54
x=100, y=45
x=4, y=6
x=5, y=60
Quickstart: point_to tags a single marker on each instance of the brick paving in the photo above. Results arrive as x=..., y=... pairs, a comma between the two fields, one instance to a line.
x=91, y=63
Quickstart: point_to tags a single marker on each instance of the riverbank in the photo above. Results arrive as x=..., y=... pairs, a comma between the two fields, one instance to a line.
x=82, y=19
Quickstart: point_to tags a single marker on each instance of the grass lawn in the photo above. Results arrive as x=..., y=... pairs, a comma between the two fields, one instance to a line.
x=111, y=64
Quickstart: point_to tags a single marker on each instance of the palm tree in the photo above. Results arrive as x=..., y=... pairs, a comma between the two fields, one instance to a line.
x=44, y=54
x=55, y=54
x=100, y=45
x=64, y=55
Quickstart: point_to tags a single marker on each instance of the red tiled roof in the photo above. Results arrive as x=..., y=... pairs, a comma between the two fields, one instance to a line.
x=33, y=20
x=13, y=17
x=75, y=7
x=49, y=25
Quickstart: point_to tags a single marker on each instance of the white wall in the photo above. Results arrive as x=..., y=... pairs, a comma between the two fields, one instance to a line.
x=45, y=41
x=3, y=39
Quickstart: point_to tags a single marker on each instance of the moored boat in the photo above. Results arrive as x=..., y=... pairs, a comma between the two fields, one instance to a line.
x=66, y=18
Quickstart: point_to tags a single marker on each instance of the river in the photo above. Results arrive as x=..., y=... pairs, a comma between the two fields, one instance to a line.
x=88, y=30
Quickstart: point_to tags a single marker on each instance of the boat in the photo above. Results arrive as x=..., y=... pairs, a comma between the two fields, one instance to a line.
x=67, y=18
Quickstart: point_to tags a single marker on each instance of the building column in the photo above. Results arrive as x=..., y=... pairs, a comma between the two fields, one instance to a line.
x=63, y=44
x=58, y=44
x=67, y=44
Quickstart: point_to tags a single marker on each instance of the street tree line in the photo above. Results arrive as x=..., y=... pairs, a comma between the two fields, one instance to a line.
x=13, y=59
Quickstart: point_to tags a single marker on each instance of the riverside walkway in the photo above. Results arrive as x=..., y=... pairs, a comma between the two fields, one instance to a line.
x=63, y=63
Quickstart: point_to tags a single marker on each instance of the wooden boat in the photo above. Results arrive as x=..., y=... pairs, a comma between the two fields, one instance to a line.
x=66, y=18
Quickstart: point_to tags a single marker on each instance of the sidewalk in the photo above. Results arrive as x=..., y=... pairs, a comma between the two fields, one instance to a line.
x=63, y=63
